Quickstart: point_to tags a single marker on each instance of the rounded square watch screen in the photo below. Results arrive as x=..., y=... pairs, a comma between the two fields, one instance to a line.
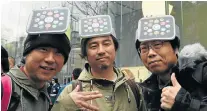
x=95, y=26
x=54, y=20
x=162, y=27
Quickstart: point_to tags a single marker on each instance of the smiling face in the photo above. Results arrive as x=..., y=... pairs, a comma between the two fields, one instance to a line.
x=158, y=60
x=43, y=63
x=101, y=52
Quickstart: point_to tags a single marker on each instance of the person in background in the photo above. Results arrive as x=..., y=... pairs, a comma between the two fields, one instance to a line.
x=11, y=62
x=75, y=74
x=54, y=90
x=4, y=65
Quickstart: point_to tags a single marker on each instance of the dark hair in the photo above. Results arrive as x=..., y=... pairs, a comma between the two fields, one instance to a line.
x=76, y=73
x=4, y=59
x=85, y=41
x=175, y=43
x=55, y=80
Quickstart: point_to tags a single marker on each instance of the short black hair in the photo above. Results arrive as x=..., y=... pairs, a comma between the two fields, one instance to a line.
x=76, y=73
x=85, y=41
x=175, y=43
x=55, y=80
x=4, y=59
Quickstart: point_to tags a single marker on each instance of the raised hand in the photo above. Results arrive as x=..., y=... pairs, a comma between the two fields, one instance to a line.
x=169, y=93
x=81, y=98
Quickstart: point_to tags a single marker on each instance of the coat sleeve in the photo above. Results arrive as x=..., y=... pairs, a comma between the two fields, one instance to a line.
x=205, y=76
x=64, y=102
x=184, y=101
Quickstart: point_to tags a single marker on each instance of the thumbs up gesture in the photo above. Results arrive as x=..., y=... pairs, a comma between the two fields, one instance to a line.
x=169, y=93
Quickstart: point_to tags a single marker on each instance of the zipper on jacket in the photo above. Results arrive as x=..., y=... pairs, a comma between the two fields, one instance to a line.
x=91, y=89
x=113, y=92
x=91, y=85
x=127, y=89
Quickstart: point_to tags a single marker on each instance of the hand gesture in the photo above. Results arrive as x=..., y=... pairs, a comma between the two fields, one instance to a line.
x=169, y=93
x=81, y=98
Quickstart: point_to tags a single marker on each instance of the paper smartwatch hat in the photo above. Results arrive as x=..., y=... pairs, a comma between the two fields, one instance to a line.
x=51, y=20
x=47, y=27
x=95, y=26
x=157, y=28
x=100, y=25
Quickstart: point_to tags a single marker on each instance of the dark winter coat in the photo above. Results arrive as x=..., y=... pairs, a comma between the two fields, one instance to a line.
x=191, y=73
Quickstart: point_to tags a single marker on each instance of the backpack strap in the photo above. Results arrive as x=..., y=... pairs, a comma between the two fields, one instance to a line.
x=135, y=91
x=75, y=83
x=7, y=91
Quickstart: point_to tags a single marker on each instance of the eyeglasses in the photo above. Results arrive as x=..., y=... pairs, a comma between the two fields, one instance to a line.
x=155, y=45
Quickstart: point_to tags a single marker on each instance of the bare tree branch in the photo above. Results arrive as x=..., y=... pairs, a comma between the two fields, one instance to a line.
x=89, y=8
x=113, y=12
x=69, y=3
x=92, y=8
x=84, y=12
x=123, y=5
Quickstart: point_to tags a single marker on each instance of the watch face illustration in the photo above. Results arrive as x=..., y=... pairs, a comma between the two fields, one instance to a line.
x=54, y=20
x=96, y=25
x=162, y=27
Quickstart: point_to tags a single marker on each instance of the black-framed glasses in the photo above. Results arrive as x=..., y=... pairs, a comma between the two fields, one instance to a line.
x=155, y=45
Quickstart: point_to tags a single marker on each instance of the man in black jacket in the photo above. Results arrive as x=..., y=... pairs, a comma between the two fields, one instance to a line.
x=173, y=86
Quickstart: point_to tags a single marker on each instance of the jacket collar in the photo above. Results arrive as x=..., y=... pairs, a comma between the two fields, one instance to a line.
x=87, y=76
x=152, y=80
x=22, y=80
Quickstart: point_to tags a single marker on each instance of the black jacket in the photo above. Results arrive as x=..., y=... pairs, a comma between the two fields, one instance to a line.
x=191, y=73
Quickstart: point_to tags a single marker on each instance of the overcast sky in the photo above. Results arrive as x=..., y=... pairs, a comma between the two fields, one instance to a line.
x=15, y=14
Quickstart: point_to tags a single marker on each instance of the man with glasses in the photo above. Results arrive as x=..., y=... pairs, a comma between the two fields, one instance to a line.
x=155, y=45
x=172, y=86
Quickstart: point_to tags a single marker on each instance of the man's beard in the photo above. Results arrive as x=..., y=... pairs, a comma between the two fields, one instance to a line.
x=103, y=66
